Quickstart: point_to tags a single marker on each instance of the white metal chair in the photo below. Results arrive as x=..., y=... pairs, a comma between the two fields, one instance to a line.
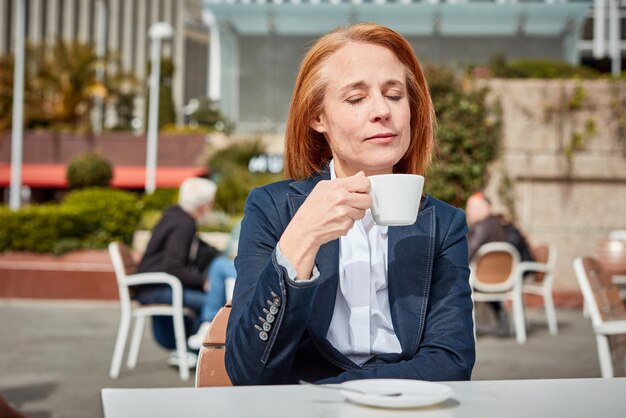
x=494, y=276
x=540, y=283
x=124, y=267
x=607, y=311
x=618, y=234
x=229, y=288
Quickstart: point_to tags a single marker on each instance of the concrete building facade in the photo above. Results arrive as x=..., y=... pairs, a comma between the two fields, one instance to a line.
x=261, y=42
x=126, y=25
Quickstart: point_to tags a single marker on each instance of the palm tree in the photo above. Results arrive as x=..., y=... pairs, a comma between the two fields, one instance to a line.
x=65, y=81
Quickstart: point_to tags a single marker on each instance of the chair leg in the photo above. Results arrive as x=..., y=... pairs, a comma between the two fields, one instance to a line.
x=604, y=355
x=120, y=344
x=550, y=312
x=181, y=345
x=585, y=310
x=518, y=318
x=135, y=342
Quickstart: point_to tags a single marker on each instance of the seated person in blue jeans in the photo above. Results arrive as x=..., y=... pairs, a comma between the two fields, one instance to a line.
x=220, y=269
x=168, y=251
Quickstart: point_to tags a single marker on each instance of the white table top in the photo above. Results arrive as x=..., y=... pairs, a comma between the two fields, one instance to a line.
x=569, y=398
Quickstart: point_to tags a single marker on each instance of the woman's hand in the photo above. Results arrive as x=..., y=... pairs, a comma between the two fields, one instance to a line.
x=327, y=214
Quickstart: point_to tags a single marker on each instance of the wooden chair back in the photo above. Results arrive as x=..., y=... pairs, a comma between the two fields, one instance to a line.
x=211, y=370
x=607, y=305
x=494, y=267
x=606, y=294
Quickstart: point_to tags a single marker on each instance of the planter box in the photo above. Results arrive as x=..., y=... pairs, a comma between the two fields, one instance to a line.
x=85, y=274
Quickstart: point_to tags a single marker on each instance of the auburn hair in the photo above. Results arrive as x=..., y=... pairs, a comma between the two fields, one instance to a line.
x=306, y=150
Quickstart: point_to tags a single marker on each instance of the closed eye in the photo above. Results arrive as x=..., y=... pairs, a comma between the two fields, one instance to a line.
x=354, y=100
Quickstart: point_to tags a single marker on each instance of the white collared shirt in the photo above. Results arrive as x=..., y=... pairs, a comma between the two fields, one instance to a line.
x=361, y=324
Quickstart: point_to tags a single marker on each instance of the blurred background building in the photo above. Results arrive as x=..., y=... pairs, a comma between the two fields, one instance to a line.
x=259, y=43
x=126, y=41
x=263, y=41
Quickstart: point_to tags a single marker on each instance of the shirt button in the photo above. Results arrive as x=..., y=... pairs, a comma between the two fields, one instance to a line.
x=267, y=326
x=273, y=310
x=269, y=318
x=263, y=336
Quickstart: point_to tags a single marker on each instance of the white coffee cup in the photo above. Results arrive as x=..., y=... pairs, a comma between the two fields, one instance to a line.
x=395, y=198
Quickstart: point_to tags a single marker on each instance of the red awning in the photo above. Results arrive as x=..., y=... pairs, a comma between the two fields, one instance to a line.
x=52, y=176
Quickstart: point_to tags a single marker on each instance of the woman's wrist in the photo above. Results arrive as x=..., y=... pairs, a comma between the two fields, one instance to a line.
x=300, y=250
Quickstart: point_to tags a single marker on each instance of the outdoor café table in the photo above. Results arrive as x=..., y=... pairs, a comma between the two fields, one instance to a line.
x=569, y=398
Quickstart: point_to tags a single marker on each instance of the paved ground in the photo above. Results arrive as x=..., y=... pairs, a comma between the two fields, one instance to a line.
x=54, y=356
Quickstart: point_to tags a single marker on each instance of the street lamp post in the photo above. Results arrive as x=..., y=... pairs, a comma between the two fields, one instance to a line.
x=100, y=51
x=158, y=31
x=17, y=129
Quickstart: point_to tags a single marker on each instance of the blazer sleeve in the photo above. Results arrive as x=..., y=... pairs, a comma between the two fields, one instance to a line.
x=447, y=348
x=260, y=349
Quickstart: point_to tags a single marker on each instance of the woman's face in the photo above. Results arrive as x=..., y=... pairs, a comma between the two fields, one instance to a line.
x=366, y=115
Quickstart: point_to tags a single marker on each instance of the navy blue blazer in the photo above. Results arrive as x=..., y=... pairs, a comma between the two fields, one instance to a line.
x=277, y=327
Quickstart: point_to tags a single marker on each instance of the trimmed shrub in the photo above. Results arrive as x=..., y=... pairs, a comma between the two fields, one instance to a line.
x=39, y=228
x=89, y=170
x=87, y=218
x=111, y=214
x=538, y=68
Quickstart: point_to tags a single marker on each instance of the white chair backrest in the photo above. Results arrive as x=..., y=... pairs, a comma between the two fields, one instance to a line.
x=587, y=291
x=494, y=267
x=123, y=265
x=618, y=234
x=546, y=255
x=229, y=285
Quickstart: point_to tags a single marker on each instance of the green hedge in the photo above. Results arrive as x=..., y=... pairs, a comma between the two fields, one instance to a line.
x=88, y=218
x=538, y=68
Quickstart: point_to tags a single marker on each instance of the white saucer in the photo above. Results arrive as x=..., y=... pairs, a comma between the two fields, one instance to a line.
x=413, y=393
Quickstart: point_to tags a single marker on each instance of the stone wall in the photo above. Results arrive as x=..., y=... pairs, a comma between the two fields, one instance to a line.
x=562, y=169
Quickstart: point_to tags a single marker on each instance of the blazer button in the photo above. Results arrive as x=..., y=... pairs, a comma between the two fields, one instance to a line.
x=273, y=310
x=270, y=318
x=267, y=326
x=263, y=336
x=276, y=301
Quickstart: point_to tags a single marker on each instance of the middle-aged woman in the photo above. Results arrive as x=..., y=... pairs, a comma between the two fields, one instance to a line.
x=305, y=304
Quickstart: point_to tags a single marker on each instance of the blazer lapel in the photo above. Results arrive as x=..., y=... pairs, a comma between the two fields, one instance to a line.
x=410, y=266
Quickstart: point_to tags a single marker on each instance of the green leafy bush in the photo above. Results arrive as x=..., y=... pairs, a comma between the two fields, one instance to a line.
x=87, y=218
x=39, y=228
x=538, y=68
x=160, y=200
x=468, y=137
x=89, y=170
x=112, y=214
x=229, y=166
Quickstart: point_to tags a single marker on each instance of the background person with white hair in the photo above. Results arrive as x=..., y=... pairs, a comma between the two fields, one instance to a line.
x=169, y=251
